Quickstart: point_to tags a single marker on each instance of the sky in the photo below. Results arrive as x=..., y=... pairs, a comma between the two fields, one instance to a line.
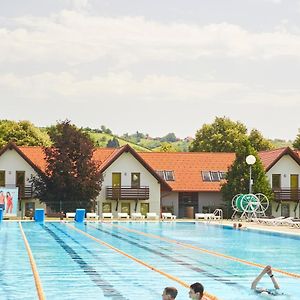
x=152, y=66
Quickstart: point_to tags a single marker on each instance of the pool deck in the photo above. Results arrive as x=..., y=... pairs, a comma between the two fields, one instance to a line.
x=252, y=225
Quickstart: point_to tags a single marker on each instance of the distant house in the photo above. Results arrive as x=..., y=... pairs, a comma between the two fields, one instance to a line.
x=181, y=183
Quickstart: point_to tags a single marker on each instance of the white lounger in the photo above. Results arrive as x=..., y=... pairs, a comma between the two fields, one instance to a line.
x=123, y=216
x=70, y=215
x=168, y=216
x=91, y=216
x=107, y=216
x=153, y=216
x=204, y=216
x=137, y=216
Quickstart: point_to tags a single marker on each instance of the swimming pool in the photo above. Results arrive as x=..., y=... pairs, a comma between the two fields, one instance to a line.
x=72, y=265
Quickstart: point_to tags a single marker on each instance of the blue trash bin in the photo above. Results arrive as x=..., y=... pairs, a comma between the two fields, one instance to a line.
x=39, y=215
x=79, y=216
x=1, y=214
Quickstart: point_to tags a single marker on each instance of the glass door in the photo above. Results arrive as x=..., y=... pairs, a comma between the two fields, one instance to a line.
x=144, y=208
x=125, y=207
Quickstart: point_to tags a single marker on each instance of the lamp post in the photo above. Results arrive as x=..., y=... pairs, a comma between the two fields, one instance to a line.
x=250, y=160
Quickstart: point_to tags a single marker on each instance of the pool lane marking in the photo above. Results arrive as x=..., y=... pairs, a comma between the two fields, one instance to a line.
x=181, y=282
x=37, y=280
x=108, y=290
x=168, y=257
x=214, y=253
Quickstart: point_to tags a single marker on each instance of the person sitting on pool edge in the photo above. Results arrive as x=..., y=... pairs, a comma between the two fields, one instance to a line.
x=169, y=293
x=274, y=292
x=196, y=291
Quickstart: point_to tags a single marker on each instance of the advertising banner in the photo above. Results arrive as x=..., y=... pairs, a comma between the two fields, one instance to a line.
x=9, y=201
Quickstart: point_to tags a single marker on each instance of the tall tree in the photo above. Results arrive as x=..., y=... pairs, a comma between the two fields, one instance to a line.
x=223, y=135
x=72, y=178
x=296, y=143
x=258, y=142
x=23, y=133
x=113, y=143
x=238, y=176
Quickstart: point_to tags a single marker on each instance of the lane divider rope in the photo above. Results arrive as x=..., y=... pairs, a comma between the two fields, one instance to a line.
x=214, y=253
x=181, y=282
x=35, y=272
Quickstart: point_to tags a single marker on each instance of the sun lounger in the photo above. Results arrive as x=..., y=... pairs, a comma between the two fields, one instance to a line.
x=91, y=216
x=123, y=216
x=137, y=216
x=152, y=216
x=204, y=216
x=268, y=221
x=168, y=216
x=107, y=216
x=70, y=215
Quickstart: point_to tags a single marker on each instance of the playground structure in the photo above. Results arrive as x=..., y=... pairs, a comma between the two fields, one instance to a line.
x=249, y=206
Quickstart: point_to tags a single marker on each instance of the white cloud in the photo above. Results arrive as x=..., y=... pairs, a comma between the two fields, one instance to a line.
x=74, y=37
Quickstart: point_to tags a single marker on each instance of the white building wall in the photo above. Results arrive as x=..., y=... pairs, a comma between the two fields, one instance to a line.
x=211, y=199
x=286, y=166
x=127, y=164
x=10, y=162
x=171, y=199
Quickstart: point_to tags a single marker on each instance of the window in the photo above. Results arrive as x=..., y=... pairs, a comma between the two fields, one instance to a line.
x=135, y=180
x=161, y=174
x=206, y=176
x=166, y=175
x=169, y=176
x=276, y=181
x=222, y=175
x=2, y=178
x=214, y=176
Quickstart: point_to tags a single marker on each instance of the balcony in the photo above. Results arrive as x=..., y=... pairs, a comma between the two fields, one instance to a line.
x=127, y=193
x=286, y=194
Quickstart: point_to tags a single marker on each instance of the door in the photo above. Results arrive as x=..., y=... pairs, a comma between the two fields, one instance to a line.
x=294, y=186
x=144, y=208
x=135, y=180
x=2, y=178
x=106, y=207
x=20, y=182
x=285, y=209
x=125, y=207
x=116, y=185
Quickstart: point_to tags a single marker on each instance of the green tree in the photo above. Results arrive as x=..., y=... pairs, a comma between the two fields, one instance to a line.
x=22, y=133
x=72, y=178
x=113, y=143
x=238, y=176
x=296, y=143
x=258, y=142
x=170, y=137
x=223, y=135
x=167, y=147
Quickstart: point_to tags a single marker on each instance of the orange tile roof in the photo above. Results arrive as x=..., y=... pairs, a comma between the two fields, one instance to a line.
x=187, y=168
x=36, y=155
x=270, y=157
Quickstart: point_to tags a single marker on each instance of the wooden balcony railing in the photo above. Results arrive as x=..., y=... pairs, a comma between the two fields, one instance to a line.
x=127, y=193
x=25, y=192
x=287, y=194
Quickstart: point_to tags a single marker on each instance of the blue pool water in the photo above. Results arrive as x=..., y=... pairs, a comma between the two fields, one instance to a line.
x=74, y=266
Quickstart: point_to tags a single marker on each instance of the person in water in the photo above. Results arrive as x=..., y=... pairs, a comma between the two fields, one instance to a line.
x=274, y=292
